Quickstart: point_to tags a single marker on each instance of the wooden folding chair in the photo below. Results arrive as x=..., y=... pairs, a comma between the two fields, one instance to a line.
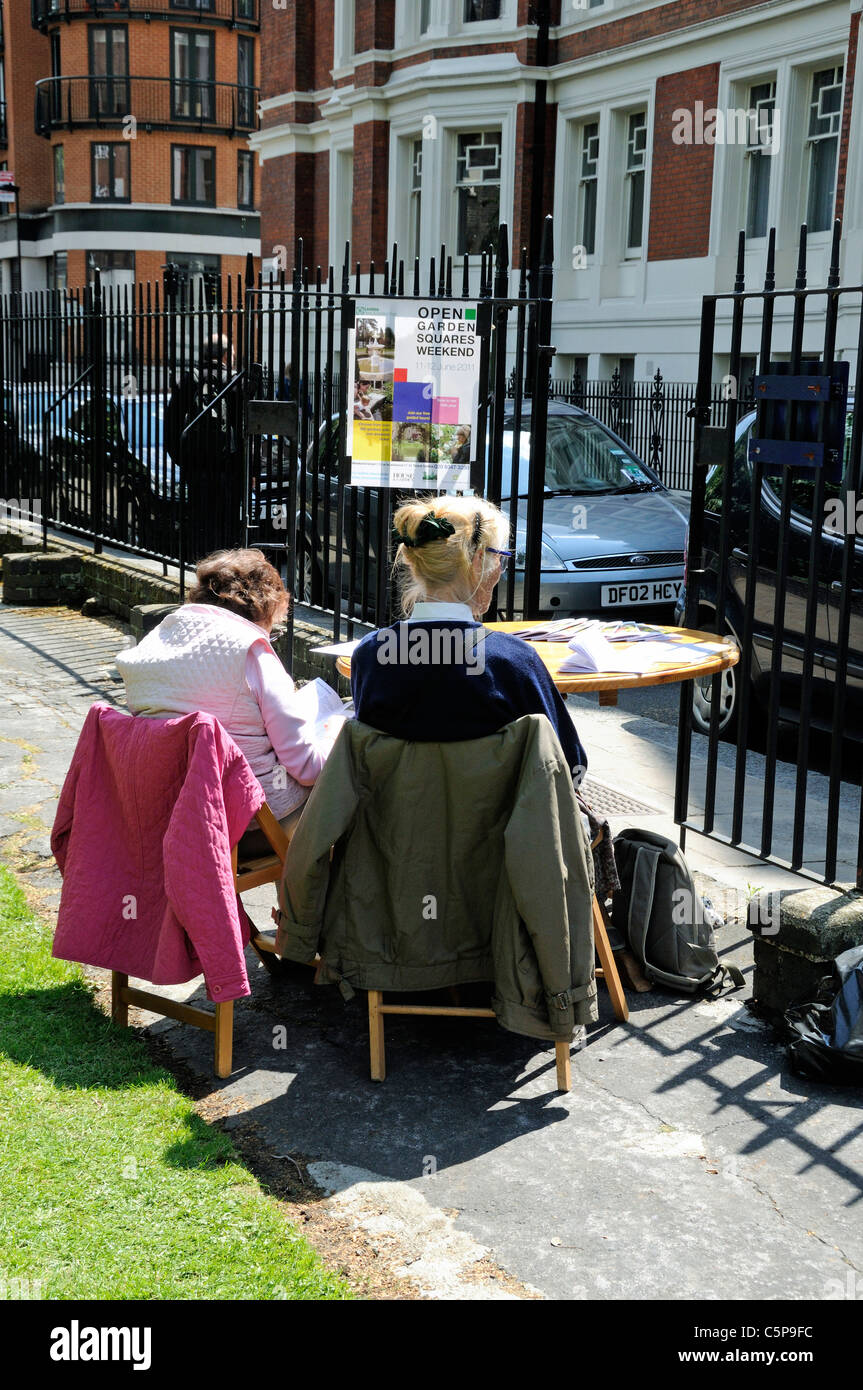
x=606, y=970
x=248, y=874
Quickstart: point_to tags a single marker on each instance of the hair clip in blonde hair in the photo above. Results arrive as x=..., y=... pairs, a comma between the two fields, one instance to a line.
x=431, y=528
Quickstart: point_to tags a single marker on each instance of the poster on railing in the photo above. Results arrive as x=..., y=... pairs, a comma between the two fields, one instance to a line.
x=414, y=382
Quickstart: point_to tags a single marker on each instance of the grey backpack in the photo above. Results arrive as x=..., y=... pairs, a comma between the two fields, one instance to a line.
x=663, y=917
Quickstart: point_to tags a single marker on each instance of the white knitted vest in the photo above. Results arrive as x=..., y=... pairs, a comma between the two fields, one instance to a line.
x=196, y=660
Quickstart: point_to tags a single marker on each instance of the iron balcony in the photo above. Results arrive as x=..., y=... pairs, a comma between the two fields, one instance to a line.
x=240, y=14
x=157, y=103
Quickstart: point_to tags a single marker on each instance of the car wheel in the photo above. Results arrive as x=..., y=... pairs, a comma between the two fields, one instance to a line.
x=308, y=575
x=702, y=690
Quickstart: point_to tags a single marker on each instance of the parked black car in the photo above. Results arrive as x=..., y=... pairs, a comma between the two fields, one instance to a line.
x=828, y=579
x=130, y=505
x=18, y=453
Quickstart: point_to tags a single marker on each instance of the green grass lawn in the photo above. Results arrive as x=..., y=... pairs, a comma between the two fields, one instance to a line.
x=110, y=1185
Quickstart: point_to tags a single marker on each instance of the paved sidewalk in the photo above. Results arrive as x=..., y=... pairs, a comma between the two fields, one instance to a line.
x=687, y=1162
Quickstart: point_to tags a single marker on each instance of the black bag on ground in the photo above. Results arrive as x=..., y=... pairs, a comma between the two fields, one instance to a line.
x=825, y=1035
x=662, y=916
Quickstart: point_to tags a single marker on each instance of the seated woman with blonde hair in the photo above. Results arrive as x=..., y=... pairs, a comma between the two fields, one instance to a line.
x=443, y=677
x=214, y=654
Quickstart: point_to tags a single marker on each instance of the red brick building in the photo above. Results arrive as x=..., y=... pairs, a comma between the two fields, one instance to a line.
x=128, y=127
x=667, y=128
x=22, y=62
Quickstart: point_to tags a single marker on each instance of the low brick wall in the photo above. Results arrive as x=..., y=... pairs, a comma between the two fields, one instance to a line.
x=14, y=542
x=70, y=574
x=815, y=926
x=43, y=578
x=145, y=616
x=59, y=575
x=120, y=588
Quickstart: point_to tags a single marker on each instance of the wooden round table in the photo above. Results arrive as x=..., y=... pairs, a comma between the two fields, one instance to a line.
x=607, y=683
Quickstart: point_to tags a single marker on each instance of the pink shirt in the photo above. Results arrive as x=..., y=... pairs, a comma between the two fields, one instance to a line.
x=274, y=691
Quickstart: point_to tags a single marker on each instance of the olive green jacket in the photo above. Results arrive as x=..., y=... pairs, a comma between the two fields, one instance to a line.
x=451, y=862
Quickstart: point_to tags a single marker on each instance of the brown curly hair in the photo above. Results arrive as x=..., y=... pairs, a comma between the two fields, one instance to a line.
x=244, y=582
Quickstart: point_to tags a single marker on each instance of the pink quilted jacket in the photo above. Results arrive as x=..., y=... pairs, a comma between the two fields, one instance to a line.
x=147, y=818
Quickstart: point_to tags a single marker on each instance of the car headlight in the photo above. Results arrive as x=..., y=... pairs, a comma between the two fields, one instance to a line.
x=548, y=558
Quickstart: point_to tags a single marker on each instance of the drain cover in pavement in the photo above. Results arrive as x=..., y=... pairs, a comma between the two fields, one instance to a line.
x=613, y=803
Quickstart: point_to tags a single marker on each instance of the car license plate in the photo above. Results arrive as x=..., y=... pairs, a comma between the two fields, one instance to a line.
x=647, y=591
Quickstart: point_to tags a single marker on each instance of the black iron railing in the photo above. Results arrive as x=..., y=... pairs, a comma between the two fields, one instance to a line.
x=775, y=559
x=655, y=418
x=238, y=13
x=140, y=417
x=156, y=103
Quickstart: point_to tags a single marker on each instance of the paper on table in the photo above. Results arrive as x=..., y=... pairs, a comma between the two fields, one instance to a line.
x=636, y=632
x=558, y=630
x=592, y=652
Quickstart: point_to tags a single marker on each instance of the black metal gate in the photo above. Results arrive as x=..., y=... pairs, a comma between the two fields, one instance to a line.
x=775, y=557
x=170, y=420
x=334, y=538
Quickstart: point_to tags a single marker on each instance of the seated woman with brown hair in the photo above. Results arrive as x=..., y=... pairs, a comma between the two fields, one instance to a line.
x=214, y=654
x=445, y=678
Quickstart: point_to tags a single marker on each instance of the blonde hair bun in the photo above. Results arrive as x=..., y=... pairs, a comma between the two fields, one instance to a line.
x=438, y=541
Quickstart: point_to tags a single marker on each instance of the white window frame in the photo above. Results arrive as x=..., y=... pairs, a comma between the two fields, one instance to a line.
x=504, y=209
x=634, y=253
x=343, y=34
x=440, y=205
x=403, y=136
x=574, y=13
x=609, y=272
x=446, y=22
x=506, y=17
x=756, y=147
x=341, y=201
x=811, y=141
x=581, y=150
x=415, y=147
x=574, y=10
x=729, y=202
x=790, y=183
x=408, y=33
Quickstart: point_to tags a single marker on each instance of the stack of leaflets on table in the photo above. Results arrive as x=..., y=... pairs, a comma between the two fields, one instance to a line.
x=627, y=631
x=322, y=713
x=592, y=651
x=559, y=630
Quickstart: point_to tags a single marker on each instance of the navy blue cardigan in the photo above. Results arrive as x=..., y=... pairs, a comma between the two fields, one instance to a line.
x=448, y=703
